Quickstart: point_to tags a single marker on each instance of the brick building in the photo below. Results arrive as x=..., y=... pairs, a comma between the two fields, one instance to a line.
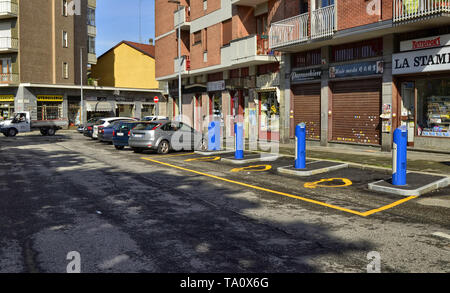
x=352, y=70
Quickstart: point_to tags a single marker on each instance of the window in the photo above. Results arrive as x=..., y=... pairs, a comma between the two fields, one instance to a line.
x=91, y=45
x=303, y=6
x=65, y=70
x=359, y=50
x=205, y=4
x=65, y=40
x=262, y=25
x=197, y=37
x=305, y=59
x=64, y=8
x=205, y=40
x=226, y=32
x=91, y=16
x=324, y=3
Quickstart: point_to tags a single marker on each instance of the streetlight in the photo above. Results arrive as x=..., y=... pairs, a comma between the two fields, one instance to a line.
x=81, y=85
x=179, y=6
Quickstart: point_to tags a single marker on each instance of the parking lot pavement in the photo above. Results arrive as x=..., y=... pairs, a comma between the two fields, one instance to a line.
x=127, y=212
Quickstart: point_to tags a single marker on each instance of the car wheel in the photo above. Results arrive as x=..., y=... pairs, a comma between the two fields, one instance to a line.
x=44, y=131
x=163, y=147
x=137, y=150
x=51, y=132
x=119, y=147
x=12, y=132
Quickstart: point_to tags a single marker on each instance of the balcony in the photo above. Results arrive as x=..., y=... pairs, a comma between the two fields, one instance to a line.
x=8, y=45
x=252, y=3
x=182, y=18
x=92, y=3
x=9, y=78
x=405, y=10
x=183, y=63
x=92, y=30
x=289, y=31
x=252, y=50
x=323, y=22
x=92, y=58
x=8, y=9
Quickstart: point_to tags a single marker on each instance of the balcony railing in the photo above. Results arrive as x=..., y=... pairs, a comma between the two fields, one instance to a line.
x=411, y=9
x=8, y=43
x=183, y=62
x=182, y=17
x=289, y=31
x=9, y=78
x=323, y=22
x=8, y=8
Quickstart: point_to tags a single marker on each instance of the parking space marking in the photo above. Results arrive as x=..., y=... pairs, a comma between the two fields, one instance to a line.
x=171, y=156
x=362, y=214
x=441, y=235
x=257, y=168
x=313, y=185
x=204, y=159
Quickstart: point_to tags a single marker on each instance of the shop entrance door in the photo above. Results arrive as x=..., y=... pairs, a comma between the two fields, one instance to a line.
x=237, y=106
x=408, y=112
x=269, y=119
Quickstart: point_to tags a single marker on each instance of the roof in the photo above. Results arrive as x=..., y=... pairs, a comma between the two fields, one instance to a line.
x=146, y=49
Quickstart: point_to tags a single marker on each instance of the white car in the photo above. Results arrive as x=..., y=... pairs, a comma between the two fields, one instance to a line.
x=105, y=122
x=154, y=118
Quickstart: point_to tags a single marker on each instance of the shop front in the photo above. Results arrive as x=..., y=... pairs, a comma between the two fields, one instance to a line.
x=305, y=102
x=99, y=108
x=218, y=102
x=125, y=109
x=49, y=107
x=268, y=102
x=423, y=101
x=6, y=106
x=355, y=107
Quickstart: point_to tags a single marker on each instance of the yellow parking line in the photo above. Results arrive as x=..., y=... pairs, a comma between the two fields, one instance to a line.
x=178, y=155
x=362, y=214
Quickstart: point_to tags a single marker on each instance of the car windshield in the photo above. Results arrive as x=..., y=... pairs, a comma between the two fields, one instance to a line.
x=146, y=126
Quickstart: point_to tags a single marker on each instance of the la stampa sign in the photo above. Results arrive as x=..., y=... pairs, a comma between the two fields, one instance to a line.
x=429, y=60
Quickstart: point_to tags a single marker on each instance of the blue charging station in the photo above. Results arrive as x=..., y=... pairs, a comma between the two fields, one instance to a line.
x=399, y=156
x=300, y=146
x=239, y=141
x=214, y=136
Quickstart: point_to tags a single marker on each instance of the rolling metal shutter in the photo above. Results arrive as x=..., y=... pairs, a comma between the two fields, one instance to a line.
x=307, y=108
x=356, y=111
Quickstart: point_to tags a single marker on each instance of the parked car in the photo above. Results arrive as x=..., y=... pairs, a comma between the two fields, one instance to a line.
x=121, y=133
x=89, y=126
x=105, y=134
x=154, y=118
x=105, y=123
x=164, y=136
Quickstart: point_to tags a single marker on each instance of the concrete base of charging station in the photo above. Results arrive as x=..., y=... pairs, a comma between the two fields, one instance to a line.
x=417, y=184
x=212, y=153
x=249, y=157
x=312, y=168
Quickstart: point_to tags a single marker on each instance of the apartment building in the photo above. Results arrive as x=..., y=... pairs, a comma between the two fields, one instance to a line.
x=352, y=70
x=44, y=45
x=227, y=70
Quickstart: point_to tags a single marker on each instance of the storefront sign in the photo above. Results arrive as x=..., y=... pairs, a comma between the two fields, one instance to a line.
x=425, y=43
x=216, y=86
x=305, y=75
x=268, y=80
x=6, y=98
x=357, y=69
x=49, y=98
x=421, y=61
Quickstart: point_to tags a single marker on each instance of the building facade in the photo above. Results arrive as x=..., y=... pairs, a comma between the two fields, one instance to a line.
x=352, y=70
x=44, y=46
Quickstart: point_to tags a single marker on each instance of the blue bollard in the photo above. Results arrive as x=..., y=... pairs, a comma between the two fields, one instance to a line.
x=239, y=141
x=214, y=136
x=300, y=146
x=399, y=156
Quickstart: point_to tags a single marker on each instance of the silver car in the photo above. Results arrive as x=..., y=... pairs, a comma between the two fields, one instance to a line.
x=164, y=136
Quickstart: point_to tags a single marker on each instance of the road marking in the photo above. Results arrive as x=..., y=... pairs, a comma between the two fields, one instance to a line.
x=257, y=168
x=170, y=156
x=203, y=159
x=313, y=185
x=441, y=235
x=362, y=214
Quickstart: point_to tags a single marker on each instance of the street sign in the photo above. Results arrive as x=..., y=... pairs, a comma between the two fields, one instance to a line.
x=156, y=100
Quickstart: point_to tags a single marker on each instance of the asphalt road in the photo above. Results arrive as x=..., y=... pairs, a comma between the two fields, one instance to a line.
x=127, y=212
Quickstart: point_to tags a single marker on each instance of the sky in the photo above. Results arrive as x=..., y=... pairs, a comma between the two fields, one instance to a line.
x=118, y=20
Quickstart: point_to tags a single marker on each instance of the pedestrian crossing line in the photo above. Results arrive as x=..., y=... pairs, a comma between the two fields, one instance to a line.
x=362, y=214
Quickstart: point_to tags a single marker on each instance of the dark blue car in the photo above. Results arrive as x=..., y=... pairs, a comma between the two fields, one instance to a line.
x=106, y=134
x=121, y=133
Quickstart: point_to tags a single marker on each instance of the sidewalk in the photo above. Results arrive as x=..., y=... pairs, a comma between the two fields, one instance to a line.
x=417, y=161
